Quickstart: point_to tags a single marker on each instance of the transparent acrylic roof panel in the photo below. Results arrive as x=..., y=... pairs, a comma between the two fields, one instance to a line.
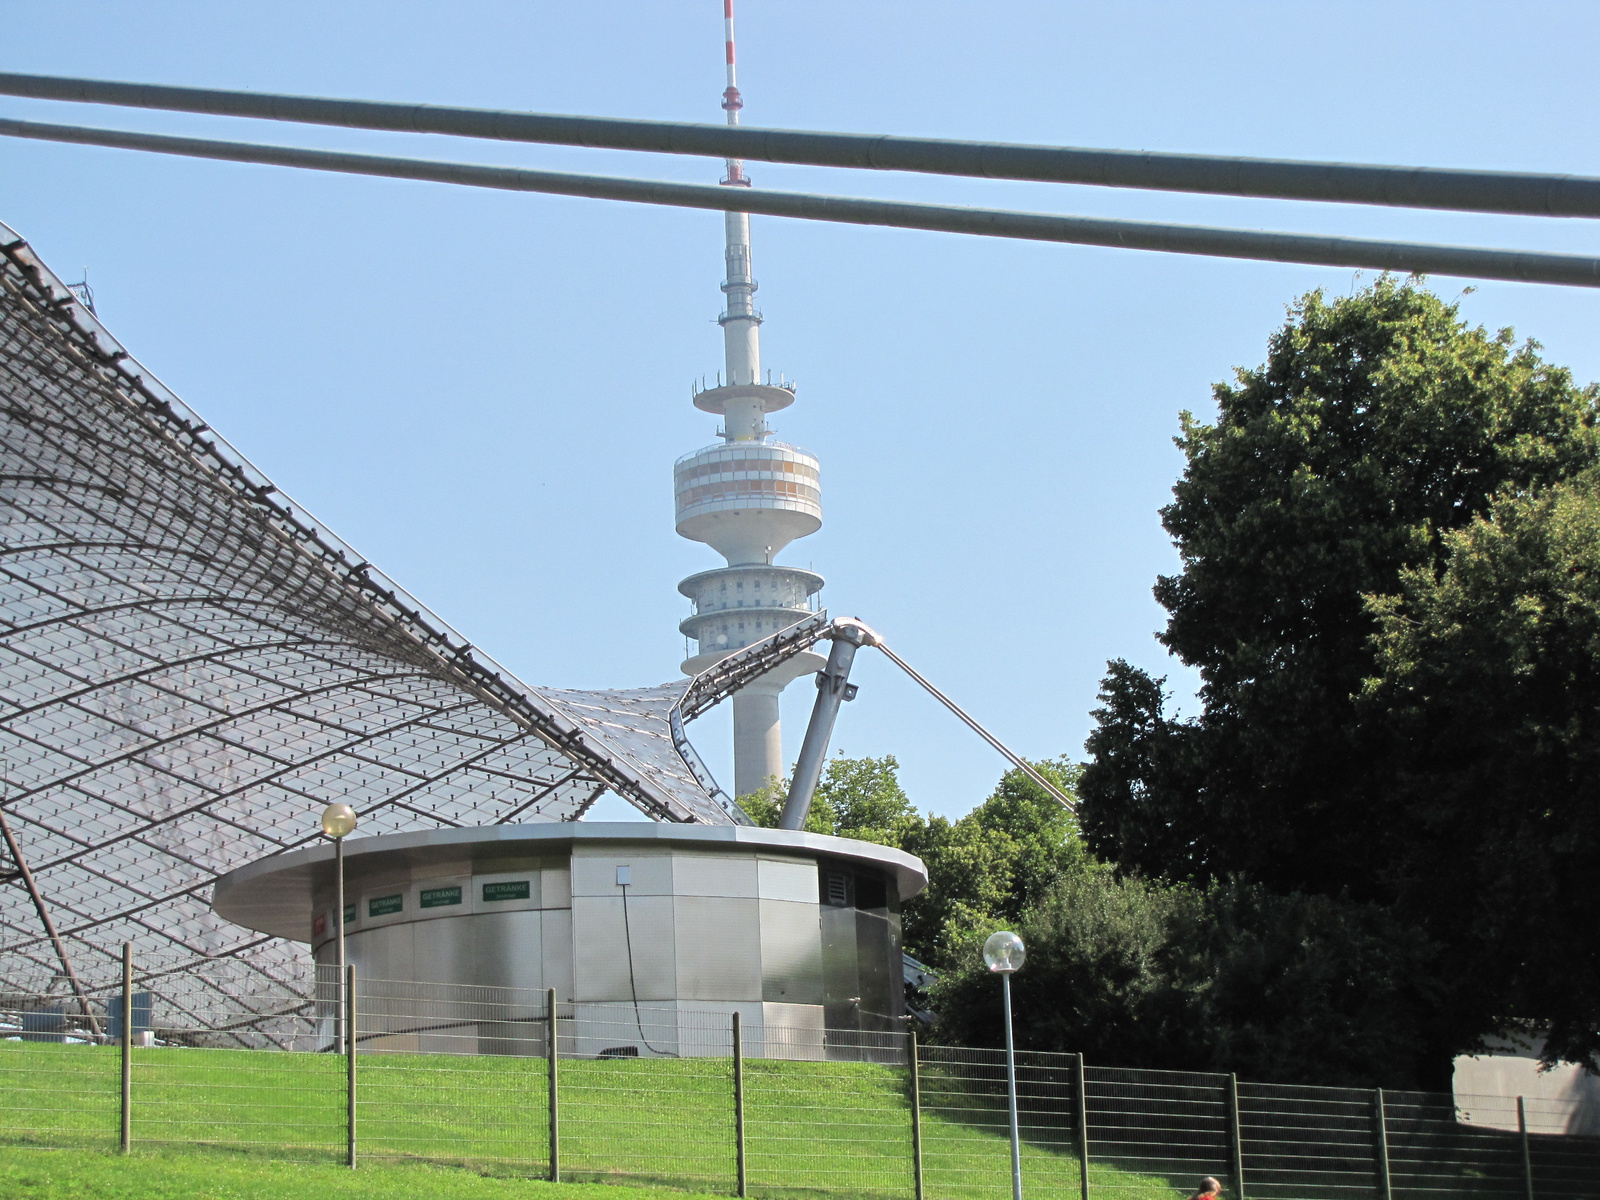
x=191, y=667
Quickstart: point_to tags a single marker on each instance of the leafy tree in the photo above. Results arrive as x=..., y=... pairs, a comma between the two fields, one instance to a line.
x=1295, y=987
x=854, y=798
x=1225, y=977
x=990, y=866
x=986, y=866
x=1489, y=681
x=1095, y=982
x=1378, y=427
x=765, y=807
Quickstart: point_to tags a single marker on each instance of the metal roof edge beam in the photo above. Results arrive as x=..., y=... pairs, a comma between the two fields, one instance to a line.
x=1570, y=270
x=1520, y=192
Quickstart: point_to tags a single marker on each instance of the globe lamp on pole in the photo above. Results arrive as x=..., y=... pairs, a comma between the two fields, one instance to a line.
x=338, y=821
x=1003, y=954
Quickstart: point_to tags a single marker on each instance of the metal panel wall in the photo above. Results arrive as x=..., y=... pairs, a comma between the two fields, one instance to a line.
x=841, y=980
x=445, y=949
x=719, y=943
x=594, y=870
x=604, y=968
x=555, y=927
x=788, y=879
x=791, y=952
x=860, y=948
x=714, y=875
x=880, y=987
x=510, y=949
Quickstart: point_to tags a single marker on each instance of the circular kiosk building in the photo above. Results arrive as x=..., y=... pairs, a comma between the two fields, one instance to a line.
x=651, y=935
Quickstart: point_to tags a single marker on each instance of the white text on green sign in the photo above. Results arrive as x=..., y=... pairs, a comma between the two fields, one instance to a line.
x=516, y=889
x=441, y=897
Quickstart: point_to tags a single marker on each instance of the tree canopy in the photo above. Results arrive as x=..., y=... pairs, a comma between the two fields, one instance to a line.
x=1372, y=728
x=984, y=868
x=1226, y=977
x=1488, y=681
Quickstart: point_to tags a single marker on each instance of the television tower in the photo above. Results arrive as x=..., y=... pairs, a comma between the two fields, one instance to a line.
x=747, y=498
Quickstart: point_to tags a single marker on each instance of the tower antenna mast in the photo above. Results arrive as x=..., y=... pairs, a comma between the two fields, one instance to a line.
x=741, y=323
x=732, y=101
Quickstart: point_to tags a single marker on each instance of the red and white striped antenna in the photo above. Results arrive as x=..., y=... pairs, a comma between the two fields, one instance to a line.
x=743, y=415
x=732, y=101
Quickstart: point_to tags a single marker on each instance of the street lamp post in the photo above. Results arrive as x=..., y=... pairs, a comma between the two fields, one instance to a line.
x=1003, y=954
x=338, y=820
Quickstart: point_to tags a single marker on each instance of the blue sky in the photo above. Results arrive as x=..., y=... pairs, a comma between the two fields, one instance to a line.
x=485, y=392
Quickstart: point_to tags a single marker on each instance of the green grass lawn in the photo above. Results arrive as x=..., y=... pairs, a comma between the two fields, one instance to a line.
x=216, y=1175
x=813, y=1130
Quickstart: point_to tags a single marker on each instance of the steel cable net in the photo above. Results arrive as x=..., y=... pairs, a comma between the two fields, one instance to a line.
x=191, y=667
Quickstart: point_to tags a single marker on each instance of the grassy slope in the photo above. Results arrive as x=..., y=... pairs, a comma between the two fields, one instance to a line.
x=812, y=1129
x=96, y=1175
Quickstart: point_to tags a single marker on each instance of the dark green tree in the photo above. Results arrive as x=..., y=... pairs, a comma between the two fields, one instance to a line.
x=1097, y=981
x=1379, y=424
x=1489, y=682
x=1225, y=977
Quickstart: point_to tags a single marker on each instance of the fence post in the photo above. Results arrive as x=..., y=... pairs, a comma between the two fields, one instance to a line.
x=916, y=1110
x=350, y=1065
x=1083, y=1132
x=1380, y=1133
x=738, y=1099
x=1236, y=1137
x=125, y=1139
x=553, y=1057
x=1527, y=1154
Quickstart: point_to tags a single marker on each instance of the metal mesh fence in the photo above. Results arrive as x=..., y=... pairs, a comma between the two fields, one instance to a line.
x=53, y=1094
x=671, y=1072
x=1158, y=1126
x=671, y=1094
x=1309, y=1142
x=450, y=1074
x=966, y=1122
x=827, y=1112
x=1426, y=1143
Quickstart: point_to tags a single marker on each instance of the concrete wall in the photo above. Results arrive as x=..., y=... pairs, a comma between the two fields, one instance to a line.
x=1564, y=1099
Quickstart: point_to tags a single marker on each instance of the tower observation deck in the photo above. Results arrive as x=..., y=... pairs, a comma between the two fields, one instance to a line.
x=747, y=497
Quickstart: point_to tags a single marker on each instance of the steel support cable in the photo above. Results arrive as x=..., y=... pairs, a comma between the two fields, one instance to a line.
x=229, y=717
x=1409, y=257
x=1527, y=193
x=207, y=727
x=585, y=806
x=273, y=777
x=51, y=933
x=1016, y=760
x=155, y=899
x=573, y=776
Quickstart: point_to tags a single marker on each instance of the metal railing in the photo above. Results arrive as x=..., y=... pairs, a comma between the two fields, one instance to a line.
x=688, y=1095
